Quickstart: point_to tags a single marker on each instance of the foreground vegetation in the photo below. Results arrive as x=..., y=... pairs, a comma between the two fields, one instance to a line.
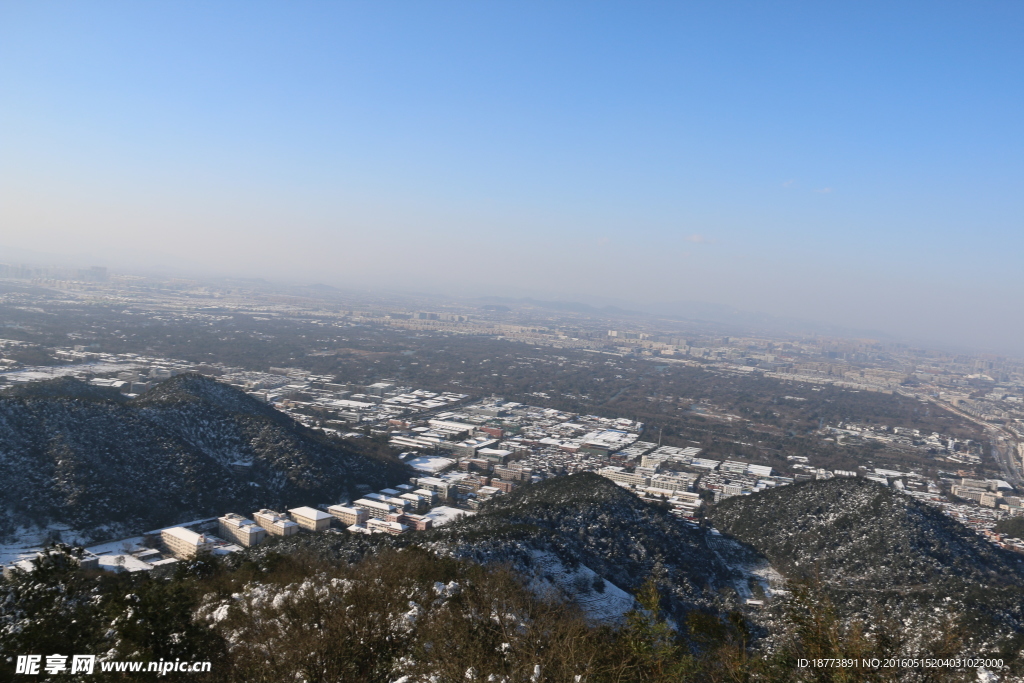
x=411, y=615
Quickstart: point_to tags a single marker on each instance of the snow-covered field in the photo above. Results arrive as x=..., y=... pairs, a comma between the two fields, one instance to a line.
x=12, y=552
x=29, y=541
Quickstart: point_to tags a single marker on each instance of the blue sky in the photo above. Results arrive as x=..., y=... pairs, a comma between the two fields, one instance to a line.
x=856, y=163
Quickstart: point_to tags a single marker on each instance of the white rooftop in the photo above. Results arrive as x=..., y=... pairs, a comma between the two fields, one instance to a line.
x=309, y=513
x=183, y=534
x=427, y=463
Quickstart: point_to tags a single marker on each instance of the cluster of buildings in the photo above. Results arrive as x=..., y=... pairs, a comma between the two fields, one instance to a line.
x=391, y=511
x=977, y=503
x=679, y=476
x=340, y=407
x=295, y=392
x=991, y=493
x=468, y=451
x=489, y=447
x=941, y=446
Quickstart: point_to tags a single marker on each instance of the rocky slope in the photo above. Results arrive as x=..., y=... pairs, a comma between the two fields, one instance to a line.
x=190, y=447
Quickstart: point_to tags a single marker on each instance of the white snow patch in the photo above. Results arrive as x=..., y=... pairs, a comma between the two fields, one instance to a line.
x=578, y=584
x=444, y=514
x=727, y=550
x=447, y=591
x=29, y=541
x=124, y=545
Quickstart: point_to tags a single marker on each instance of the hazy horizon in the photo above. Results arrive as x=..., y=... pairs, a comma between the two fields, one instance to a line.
x=853, y=164
x=699, y=317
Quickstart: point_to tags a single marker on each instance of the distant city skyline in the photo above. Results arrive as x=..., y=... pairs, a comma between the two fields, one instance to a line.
x=855, y=164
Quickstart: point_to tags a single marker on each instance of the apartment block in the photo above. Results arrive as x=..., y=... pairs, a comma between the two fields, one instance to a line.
x=431, y=496
x=497, y=456
x=503, y=486
x=311, y=519
x=348, y=516
x=182, y=543
x=416, y=502
x=420, y=523
x=469, y=447
x=439, y=486
x=617, y=474
x=381, y=525
x=375, y=508
x=238, y=529
x=275, y=523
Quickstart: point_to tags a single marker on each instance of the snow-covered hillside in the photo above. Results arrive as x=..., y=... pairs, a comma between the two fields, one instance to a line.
x=189, y=448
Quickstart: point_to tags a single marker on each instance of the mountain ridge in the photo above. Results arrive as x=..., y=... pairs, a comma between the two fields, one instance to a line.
x=190, y=447
x=873, y=548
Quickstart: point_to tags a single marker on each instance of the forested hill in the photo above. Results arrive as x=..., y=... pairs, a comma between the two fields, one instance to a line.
x=188, y=448
x=547, y=530
x=874, y=546
x=585, y=518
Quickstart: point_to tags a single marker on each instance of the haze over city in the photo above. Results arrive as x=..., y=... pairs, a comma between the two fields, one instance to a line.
x=857, y=165
x=507, y=342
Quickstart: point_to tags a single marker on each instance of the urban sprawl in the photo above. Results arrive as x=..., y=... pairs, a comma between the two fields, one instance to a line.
x=466, y=447
x=465, y=452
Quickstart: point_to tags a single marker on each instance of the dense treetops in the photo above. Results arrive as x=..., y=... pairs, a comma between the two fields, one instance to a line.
x=875, y=549
x=863, y=534
x=1011, y=526
x=189, y=448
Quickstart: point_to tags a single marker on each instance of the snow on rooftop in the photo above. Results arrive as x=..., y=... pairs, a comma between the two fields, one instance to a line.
x=183, y=534
x=309, y=513
x=430, y=463
x=132, y=544
x=443, y=514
